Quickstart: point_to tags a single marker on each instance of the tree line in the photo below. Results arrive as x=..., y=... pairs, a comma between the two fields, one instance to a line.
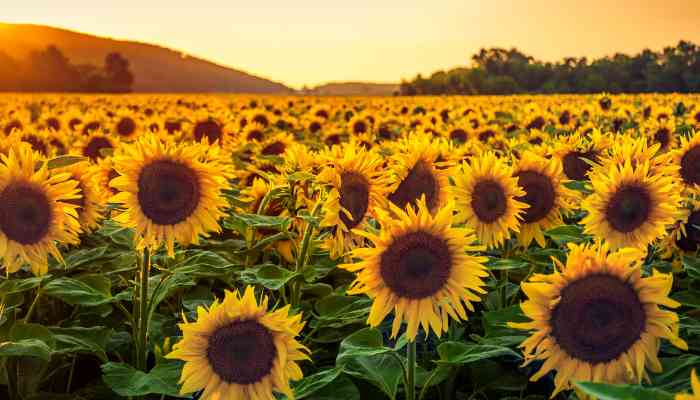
x=49, y=70
x=501, y=71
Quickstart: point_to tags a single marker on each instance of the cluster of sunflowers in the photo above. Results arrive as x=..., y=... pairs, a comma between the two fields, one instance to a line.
x=576, y=219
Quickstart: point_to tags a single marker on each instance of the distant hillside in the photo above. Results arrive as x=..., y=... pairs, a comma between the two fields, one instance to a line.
x=156, y=68
x=354, y=89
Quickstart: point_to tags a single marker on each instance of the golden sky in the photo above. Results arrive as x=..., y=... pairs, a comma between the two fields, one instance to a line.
x=307, y=42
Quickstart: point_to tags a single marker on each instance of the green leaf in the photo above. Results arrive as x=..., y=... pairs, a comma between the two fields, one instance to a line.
x=564, y=234
x=365, y=342
x=89, y=290
x=692, y=266
x=125, y=380
x=199, y=263
x=676, y=373
x=689, y=298
x=496, y=322
x=81, y=257
x=498, y=264
x=271, y=276
x=21, y=331
x=64, y=161
x=311, y=384
x=337, y=311
x=240, y=222
x=465, y=353
x=26, y=348
x=604, y=391
x=11, y=286
x=342, y=388
x=91, y=340
x=364, y=356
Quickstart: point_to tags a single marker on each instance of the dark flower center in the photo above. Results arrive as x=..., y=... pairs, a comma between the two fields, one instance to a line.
x=598, y=318
x=691, y=240
x=37, y=144
x=488, y=201
x=359, y=127
x=209, y=129
x=314, y=127
x=25, y=213
x=169, y=192
x=575, y=166
x=628, y=208
x=416, y=265
x=262, y=120
x=242, y=352
x=255, y=135
x=332, y=140
x=605, y=103
x=458, y=135
x=539, y=195
x=126, y=127
x=274, y=149
x=73, y=123
x=486, y=135
x=354, y=197
x=91, y=127
x=53, y=123
x=94, y=147
x=690, y=166
x=536, y=123
x=565, y=117
x=173, y=126
x=12, y=126
x=663, y=137
x=419, y=181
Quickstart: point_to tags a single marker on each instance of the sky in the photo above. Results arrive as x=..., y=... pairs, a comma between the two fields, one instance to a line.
x=309, y=42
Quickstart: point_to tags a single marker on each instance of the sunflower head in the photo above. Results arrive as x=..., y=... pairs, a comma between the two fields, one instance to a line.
x=35, y=210
x=630, y=206
x=419, y=268
x=547, y=198
x=355, y=192
x=485, y=192
x=597, y=318
x=170, y=192
x=237, y=349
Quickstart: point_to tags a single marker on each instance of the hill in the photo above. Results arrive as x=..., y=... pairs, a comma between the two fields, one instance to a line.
x=157, y=69
x=354, y=89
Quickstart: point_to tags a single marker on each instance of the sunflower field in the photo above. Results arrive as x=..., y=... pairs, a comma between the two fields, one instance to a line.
x=251, y=247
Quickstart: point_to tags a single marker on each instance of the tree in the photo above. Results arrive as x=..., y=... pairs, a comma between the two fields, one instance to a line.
x=117, y=72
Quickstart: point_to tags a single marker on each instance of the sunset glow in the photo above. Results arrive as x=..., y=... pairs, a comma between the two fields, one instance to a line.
x=312, y=41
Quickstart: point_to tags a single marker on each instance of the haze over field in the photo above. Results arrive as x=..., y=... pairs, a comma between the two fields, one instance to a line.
x=313, y=42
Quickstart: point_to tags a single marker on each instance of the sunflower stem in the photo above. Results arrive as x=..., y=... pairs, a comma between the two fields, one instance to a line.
x=302, y=256
x=142, y=339
x=411, y=371
x=32, y=306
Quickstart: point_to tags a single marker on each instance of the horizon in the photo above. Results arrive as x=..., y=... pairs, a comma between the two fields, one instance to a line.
x=464, y=28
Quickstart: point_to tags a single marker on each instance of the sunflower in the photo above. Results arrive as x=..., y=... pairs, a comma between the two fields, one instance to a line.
x=695, y=384
x=168, y=192
x=126, y=126
x=238, y=350
x=359, y=124
x=276, y=145
x=253, y=133
x=597, y=319
x=35, y=212
x=419, y=267
x=545, y=194
x=687, y=157
x=629, y=206
x=97, y=146
x=413, y=173
x=485, y=192
x=356, y=192
x=662, y=132
x=89, y=205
